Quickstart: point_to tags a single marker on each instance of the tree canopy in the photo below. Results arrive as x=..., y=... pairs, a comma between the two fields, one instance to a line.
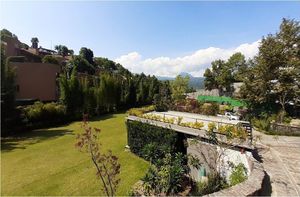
x=274, y=76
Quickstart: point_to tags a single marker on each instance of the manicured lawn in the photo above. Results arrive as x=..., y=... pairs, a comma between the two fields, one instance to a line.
x=46, y=162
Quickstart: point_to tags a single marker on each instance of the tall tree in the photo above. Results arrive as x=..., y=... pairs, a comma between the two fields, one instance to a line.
x=223, y=74
x=35, y=42
x=63, y=50
x=87, y=54
x=275, y=74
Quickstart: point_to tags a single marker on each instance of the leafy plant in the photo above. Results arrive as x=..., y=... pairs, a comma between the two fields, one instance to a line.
x=167, y=177
x=238, y=175
x=214, y=183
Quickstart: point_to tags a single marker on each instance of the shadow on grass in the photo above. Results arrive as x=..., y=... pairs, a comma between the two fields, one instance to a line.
x=21, y=141
x=102, y=117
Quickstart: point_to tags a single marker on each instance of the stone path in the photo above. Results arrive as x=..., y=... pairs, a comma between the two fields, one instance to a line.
x=281, y=160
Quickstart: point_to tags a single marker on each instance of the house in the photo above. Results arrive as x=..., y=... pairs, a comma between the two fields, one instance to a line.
x=34, y=80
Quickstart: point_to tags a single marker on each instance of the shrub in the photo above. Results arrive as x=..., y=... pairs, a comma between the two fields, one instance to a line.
x=210, y=109
x=50, y=59
x=140, y=111
x=49, y=112
x=263, y=124
x=214, y=183
x=167, y=177
x=238, y=175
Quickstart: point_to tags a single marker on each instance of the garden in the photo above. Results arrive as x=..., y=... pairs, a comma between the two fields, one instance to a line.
x=46, y=162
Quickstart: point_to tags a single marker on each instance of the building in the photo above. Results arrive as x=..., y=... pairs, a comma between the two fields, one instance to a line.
x=34, y=80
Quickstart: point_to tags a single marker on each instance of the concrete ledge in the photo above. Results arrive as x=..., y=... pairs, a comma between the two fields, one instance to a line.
x=250, y=187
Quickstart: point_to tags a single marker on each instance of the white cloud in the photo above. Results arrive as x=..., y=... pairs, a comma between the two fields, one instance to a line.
x=194, y=63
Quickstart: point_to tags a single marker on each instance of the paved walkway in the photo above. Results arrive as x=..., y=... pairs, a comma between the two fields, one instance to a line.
x=281, y=160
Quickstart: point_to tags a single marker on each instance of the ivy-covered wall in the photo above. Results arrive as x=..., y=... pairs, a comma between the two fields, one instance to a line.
x=151, y=142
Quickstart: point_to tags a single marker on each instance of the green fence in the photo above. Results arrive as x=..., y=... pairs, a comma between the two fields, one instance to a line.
x=222, y=99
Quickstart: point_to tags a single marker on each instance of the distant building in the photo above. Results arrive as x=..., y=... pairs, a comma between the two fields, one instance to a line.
x=34, y=80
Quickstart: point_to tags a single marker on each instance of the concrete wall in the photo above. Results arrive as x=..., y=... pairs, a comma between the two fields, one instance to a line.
x=253, y=186
x=208, y=153
x=36, y=80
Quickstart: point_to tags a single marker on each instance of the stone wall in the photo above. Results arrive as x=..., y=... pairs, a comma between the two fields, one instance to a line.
x=251, y=187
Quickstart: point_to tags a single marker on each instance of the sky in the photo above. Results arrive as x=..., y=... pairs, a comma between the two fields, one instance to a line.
x=161, y=38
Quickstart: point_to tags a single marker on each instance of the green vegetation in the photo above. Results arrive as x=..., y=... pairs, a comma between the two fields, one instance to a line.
x=238, y=174
x=145, y=139
x=179, y=87
x=167, y=177
x=214, y=183
x=45, y=162
x=63, y=50
x=8, y=111
x=50, y=59
x=223, y=74
x=40, y=113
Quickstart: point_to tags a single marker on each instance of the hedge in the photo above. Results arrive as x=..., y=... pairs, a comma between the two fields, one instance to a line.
x=152, y=142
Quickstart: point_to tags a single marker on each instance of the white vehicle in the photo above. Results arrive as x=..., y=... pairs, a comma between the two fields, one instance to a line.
x=231, y=116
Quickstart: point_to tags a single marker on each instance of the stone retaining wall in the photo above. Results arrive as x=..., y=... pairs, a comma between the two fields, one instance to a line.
x=250, y=187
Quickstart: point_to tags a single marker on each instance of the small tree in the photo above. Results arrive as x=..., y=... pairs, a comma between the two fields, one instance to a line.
x=107, y=165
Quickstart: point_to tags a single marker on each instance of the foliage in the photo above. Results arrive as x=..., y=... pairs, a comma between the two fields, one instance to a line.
x=81, y=65
x=6, y=33
x=140, y=111
x=210, y=109
x=179, y=87
x=107, y=164
x=63, y=50
x=166, y=178
x=238, y=175
x=214, y=183
x=34, y=42
x=50, y=59
x=7, y=93
x=70, y=89
x=143, y=138
x=87, y=54
x=274, y=74
x=49, y=112
x=223, y=74
x=162, y=100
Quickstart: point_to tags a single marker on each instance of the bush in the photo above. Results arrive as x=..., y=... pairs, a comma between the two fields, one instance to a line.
x=167, y=177
x=210, y=109
x=50, y=59
x=144, y=138
x=42, y=113
x=238, y=175
x=140, y=111
x=263, y=124
x=214, y=183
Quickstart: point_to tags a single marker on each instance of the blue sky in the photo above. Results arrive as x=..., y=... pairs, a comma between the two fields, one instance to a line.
x=139, y=34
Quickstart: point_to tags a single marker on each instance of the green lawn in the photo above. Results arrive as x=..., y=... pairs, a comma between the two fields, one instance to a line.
x=46, y=162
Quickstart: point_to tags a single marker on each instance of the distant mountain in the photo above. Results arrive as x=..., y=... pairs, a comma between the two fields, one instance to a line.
x=195, y=82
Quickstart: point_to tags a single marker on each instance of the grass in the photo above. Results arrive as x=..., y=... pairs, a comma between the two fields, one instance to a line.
x=46, y=162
